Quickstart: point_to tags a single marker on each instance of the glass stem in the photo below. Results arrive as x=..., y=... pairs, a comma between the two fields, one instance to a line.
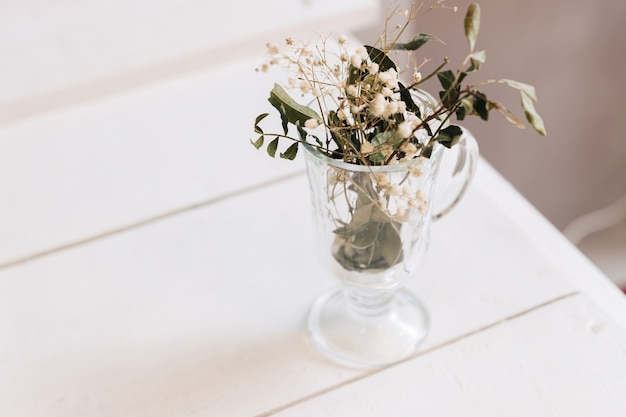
x=366, y=303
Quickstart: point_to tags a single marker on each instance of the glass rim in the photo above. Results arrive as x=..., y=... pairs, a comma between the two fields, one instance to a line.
x=314, y=152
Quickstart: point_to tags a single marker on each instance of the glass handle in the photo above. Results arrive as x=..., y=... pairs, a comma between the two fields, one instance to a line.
x=455, y=174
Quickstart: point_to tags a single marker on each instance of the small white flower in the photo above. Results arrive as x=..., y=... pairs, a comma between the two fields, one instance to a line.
x=373, y=68
x=417, y=76
x=389, y=78
x=356, y=60
x=386, y=92
x=409, y=149
x=272, y=48
x=338, y=177
x=391, y=108
x=305, y=87
x=367, y=148
x=415, y=171
x=311, y=123
x=381, y=179
x=362, y=52
x=378, y=105
x=354, y=109
x=393, y=189
x=352, y=90
x=342, y=40
x=405, y=129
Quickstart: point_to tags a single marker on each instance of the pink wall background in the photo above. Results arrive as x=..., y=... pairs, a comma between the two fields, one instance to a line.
x=573, y=53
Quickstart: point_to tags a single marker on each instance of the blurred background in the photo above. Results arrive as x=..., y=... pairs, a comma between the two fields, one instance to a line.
x=572, y=53
x=59, y=53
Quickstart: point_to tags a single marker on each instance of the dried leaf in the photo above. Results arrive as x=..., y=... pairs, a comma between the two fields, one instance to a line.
x=508, y=116
x=524, y=88
x=531, y=114
x=257, y=143
x=293, y=111
x=390, y=244
x=416, y=42
x=472, y=24
x=477, y=59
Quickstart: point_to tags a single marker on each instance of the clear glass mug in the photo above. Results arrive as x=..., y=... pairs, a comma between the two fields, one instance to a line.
x=372, y=227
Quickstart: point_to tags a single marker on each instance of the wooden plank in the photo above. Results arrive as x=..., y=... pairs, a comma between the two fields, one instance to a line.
x=567, y=359
x=192, y=314
x=78, y=51
x=102, y=166
x=539, y=233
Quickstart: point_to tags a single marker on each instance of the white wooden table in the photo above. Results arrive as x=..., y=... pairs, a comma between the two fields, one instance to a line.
x=153, y=263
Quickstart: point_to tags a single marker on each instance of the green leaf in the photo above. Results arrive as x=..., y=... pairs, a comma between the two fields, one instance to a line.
x=461, y=111
x=289, y=108
x=449, y=136
x=477, y=60
x=361, y=215
x=527, y=89
x=355, y=75
x=531, y=114
x=405, y=95
x=479, y=106
x=427, y=151
x=472, y=24
x=381, y=58
x=416, y=42
x=259, y=118
x=366, y=237
x=451, y=86
x=271, y=148
x=446, y=78
x=258, y=143
x=377, y=158
x=390, y=243
x=379, y=215
x=301, y=132
x=284, y=119
x=291, y=152
x=389, y=136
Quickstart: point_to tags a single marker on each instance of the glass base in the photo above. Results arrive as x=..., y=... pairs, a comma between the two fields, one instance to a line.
x=356, y=339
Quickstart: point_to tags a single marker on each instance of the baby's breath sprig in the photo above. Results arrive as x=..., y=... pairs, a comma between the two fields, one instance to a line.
x=360, y=110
